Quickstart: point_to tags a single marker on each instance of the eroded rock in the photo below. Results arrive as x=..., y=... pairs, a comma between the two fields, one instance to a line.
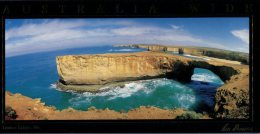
x=232, y=99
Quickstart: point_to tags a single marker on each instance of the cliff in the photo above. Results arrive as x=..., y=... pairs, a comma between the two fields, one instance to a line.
x=200, y=51
x=232, y=99
x=101, y=69
x=107, y=68
x=95, y=71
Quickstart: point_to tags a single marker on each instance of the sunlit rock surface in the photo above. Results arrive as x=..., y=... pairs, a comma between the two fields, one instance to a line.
x=232, y=99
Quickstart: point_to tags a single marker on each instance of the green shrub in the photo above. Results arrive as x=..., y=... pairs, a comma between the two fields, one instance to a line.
x=122, y=111
x=229, y=55
x=9, y=112
x=92, y=108
x=190, y=115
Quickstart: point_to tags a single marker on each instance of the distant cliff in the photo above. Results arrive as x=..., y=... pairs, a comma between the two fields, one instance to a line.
x=200, y=51
x=232, y=99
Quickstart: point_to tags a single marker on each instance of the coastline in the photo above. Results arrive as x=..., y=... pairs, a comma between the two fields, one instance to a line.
x=34, y=109
x=232, y=98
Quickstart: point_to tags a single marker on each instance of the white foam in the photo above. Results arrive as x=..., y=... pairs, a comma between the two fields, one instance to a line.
x=79, y=100
x=53, y=86
x=128, y=89
x=204, y=77
x=191, y=56
x=121, y=50
x=118, y=92
x=206, y=59
x=185, y=100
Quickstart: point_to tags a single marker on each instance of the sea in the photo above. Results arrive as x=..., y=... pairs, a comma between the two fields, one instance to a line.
x=34, y=75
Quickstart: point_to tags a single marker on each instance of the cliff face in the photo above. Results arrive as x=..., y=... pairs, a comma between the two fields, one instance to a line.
x=232, y=99
x=157, y=48
x=106, y=68
x=200, y=51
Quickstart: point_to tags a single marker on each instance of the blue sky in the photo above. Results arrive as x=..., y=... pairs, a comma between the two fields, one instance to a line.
x=24, y=36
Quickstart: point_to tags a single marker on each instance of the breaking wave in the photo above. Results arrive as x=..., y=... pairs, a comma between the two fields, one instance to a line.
x=117, y=92
x=203, y=77
x=162, y=93
x=53, y=86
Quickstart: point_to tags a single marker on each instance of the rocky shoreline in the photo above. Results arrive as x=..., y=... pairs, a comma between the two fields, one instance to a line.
x=34, y=109
x=231, y=99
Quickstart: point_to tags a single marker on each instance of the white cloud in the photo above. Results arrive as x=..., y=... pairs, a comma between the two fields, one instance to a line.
x=56, y=34
x=42, y=28
x=131, y=31
x=242, y=35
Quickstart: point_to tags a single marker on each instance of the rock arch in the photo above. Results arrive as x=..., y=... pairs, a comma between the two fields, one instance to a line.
x=105, y=68
x=183, y=72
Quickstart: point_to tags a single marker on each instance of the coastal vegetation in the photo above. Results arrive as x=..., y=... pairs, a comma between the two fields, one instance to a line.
x=10, y=113
x=229, y=55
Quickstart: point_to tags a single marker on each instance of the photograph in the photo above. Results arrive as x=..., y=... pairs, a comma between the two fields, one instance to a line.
x=187, y=68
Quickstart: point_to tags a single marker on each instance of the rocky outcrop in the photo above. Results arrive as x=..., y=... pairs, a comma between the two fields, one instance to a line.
x=107, y=68
x=157, y=48
x=232, y=99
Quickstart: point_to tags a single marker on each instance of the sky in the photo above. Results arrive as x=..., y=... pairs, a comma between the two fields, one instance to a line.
x=25, y=36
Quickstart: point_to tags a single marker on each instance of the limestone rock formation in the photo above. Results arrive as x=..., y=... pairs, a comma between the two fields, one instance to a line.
x=199, y=51
x=232, y=99
x=106, y=68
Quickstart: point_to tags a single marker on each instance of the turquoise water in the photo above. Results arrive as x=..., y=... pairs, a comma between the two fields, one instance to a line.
x=33, y=75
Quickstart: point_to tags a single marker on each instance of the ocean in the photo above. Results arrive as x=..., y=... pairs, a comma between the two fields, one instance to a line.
x=34, y=75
